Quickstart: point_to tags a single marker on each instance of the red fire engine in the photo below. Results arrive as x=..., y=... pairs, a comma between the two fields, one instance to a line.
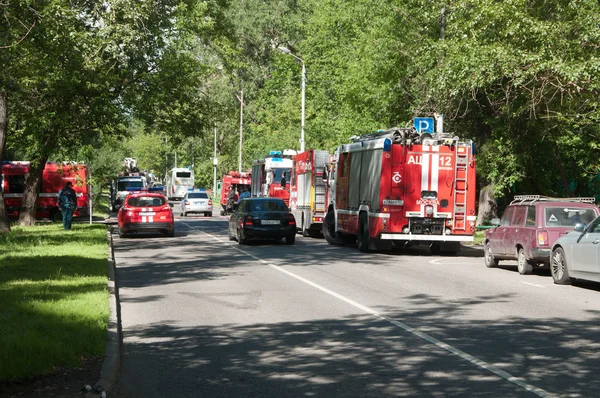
x=271, y=175
x=401, y=186
x=232, y=180
x=307, y=191
x=54, y=177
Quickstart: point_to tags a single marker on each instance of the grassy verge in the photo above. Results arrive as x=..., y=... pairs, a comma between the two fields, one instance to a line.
x=53, y=298
x=100, y=207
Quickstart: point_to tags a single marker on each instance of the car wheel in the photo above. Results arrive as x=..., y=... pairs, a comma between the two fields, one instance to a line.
x=183, y=214
x=240, y=240
x=524, y=267
x=558, y=267
x=289, y=240
x=170, y=233
x=331, y=236
x=489, y=259
x=363, y=233
x=122, y=233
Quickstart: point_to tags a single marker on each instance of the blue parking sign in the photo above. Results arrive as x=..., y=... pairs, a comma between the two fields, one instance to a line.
x=424, y=124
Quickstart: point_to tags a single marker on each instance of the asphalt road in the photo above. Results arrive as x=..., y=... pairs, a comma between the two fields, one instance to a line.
x=203, y=316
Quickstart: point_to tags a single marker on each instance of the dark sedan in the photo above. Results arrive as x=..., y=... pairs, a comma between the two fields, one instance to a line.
x=262, y=218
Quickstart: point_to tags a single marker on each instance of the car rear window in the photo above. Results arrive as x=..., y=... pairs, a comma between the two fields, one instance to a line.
x=267, y=205
x=183, y=174
x=146, y=201
x=198, y=195
x=568, y=216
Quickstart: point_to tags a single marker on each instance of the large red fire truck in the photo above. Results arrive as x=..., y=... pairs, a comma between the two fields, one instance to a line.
x=403, y=187
x=54, y=177
x=271, y=175
x=308, y=191
x=232, y=180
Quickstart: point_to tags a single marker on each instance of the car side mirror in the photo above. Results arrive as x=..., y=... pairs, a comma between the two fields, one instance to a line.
x=495, y=222
x=579, y=227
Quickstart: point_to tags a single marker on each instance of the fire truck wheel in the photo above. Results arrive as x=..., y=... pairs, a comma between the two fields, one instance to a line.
x=289, y=240
x=523, y=265
x=363, y=233
x=56, y=216
x=489, y=259
x=331, y=236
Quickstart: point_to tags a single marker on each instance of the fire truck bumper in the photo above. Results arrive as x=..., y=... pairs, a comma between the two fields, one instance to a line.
x=440, y=238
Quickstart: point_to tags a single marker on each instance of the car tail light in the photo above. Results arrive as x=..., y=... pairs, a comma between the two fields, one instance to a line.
x=291, y=220
x=248, y=221
x=172, y=188
x=210, y=202
x=542, y=238
x=165, y=208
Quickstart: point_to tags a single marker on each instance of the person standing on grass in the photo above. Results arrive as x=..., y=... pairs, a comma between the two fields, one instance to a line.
x=67, y=200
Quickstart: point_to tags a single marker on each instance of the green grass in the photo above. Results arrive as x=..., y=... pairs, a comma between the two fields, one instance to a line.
x=100, y=207
x=53, y=298
x=478, y=238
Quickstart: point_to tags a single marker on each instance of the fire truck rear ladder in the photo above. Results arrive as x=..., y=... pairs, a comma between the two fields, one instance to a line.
x=459, y=222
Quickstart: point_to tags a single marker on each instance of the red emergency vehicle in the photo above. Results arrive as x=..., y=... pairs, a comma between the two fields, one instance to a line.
x=232, y=180
x=54, y=177
x=308, y=191
x=401, y=186
x=144, y=211
x=271, y=175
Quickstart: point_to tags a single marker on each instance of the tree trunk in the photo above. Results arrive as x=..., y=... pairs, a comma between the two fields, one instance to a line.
x=33, y=181
x=487, y=205
x=4, y=223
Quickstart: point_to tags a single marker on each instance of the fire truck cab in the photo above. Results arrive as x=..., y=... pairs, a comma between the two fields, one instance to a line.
x=54, y=177
x=403, y=187
x=271, y=175
x=308, y=191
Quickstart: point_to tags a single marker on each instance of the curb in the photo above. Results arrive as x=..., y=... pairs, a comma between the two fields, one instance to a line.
x=112, y=353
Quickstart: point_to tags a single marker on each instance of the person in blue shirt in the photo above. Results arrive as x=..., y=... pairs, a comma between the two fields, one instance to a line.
x=245, y=194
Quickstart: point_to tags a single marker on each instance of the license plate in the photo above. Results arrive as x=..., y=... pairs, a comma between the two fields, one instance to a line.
x=199, y=203
x=270, y=222
x=147, y=213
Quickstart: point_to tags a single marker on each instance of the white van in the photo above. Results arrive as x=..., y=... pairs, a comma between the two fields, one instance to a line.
x=179, y=180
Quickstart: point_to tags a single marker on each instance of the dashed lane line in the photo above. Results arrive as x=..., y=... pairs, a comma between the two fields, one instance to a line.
x=439, y=343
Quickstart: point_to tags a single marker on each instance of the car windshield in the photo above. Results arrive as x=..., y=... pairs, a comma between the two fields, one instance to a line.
x=197, y=195
x=268, y=205
x=564, y=216
x=146, y=201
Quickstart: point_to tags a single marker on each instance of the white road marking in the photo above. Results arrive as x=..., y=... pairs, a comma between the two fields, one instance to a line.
x=447, y=347
x=436, y=262
x=533, y=284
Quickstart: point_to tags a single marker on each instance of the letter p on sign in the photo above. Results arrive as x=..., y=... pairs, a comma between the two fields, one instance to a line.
x=424, y=124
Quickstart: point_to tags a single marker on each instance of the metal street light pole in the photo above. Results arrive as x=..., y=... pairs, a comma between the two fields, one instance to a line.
x=241, y=99
x=286, y=50
x=215, y=162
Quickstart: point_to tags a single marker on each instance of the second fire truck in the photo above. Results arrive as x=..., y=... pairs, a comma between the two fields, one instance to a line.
x=308, y=191
x=271, y=175
x=403, y=187
x=236, y=181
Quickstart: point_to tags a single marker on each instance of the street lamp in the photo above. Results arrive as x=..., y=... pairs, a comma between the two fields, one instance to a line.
x=286, y=50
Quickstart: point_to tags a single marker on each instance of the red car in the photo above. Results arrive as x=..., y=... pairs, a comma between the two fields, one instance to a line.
x=146, y=212
x=530, y=226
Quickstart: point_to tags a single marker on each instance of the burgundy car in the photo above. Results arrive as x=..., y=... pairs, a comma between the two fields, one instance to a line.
x=529, y=227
